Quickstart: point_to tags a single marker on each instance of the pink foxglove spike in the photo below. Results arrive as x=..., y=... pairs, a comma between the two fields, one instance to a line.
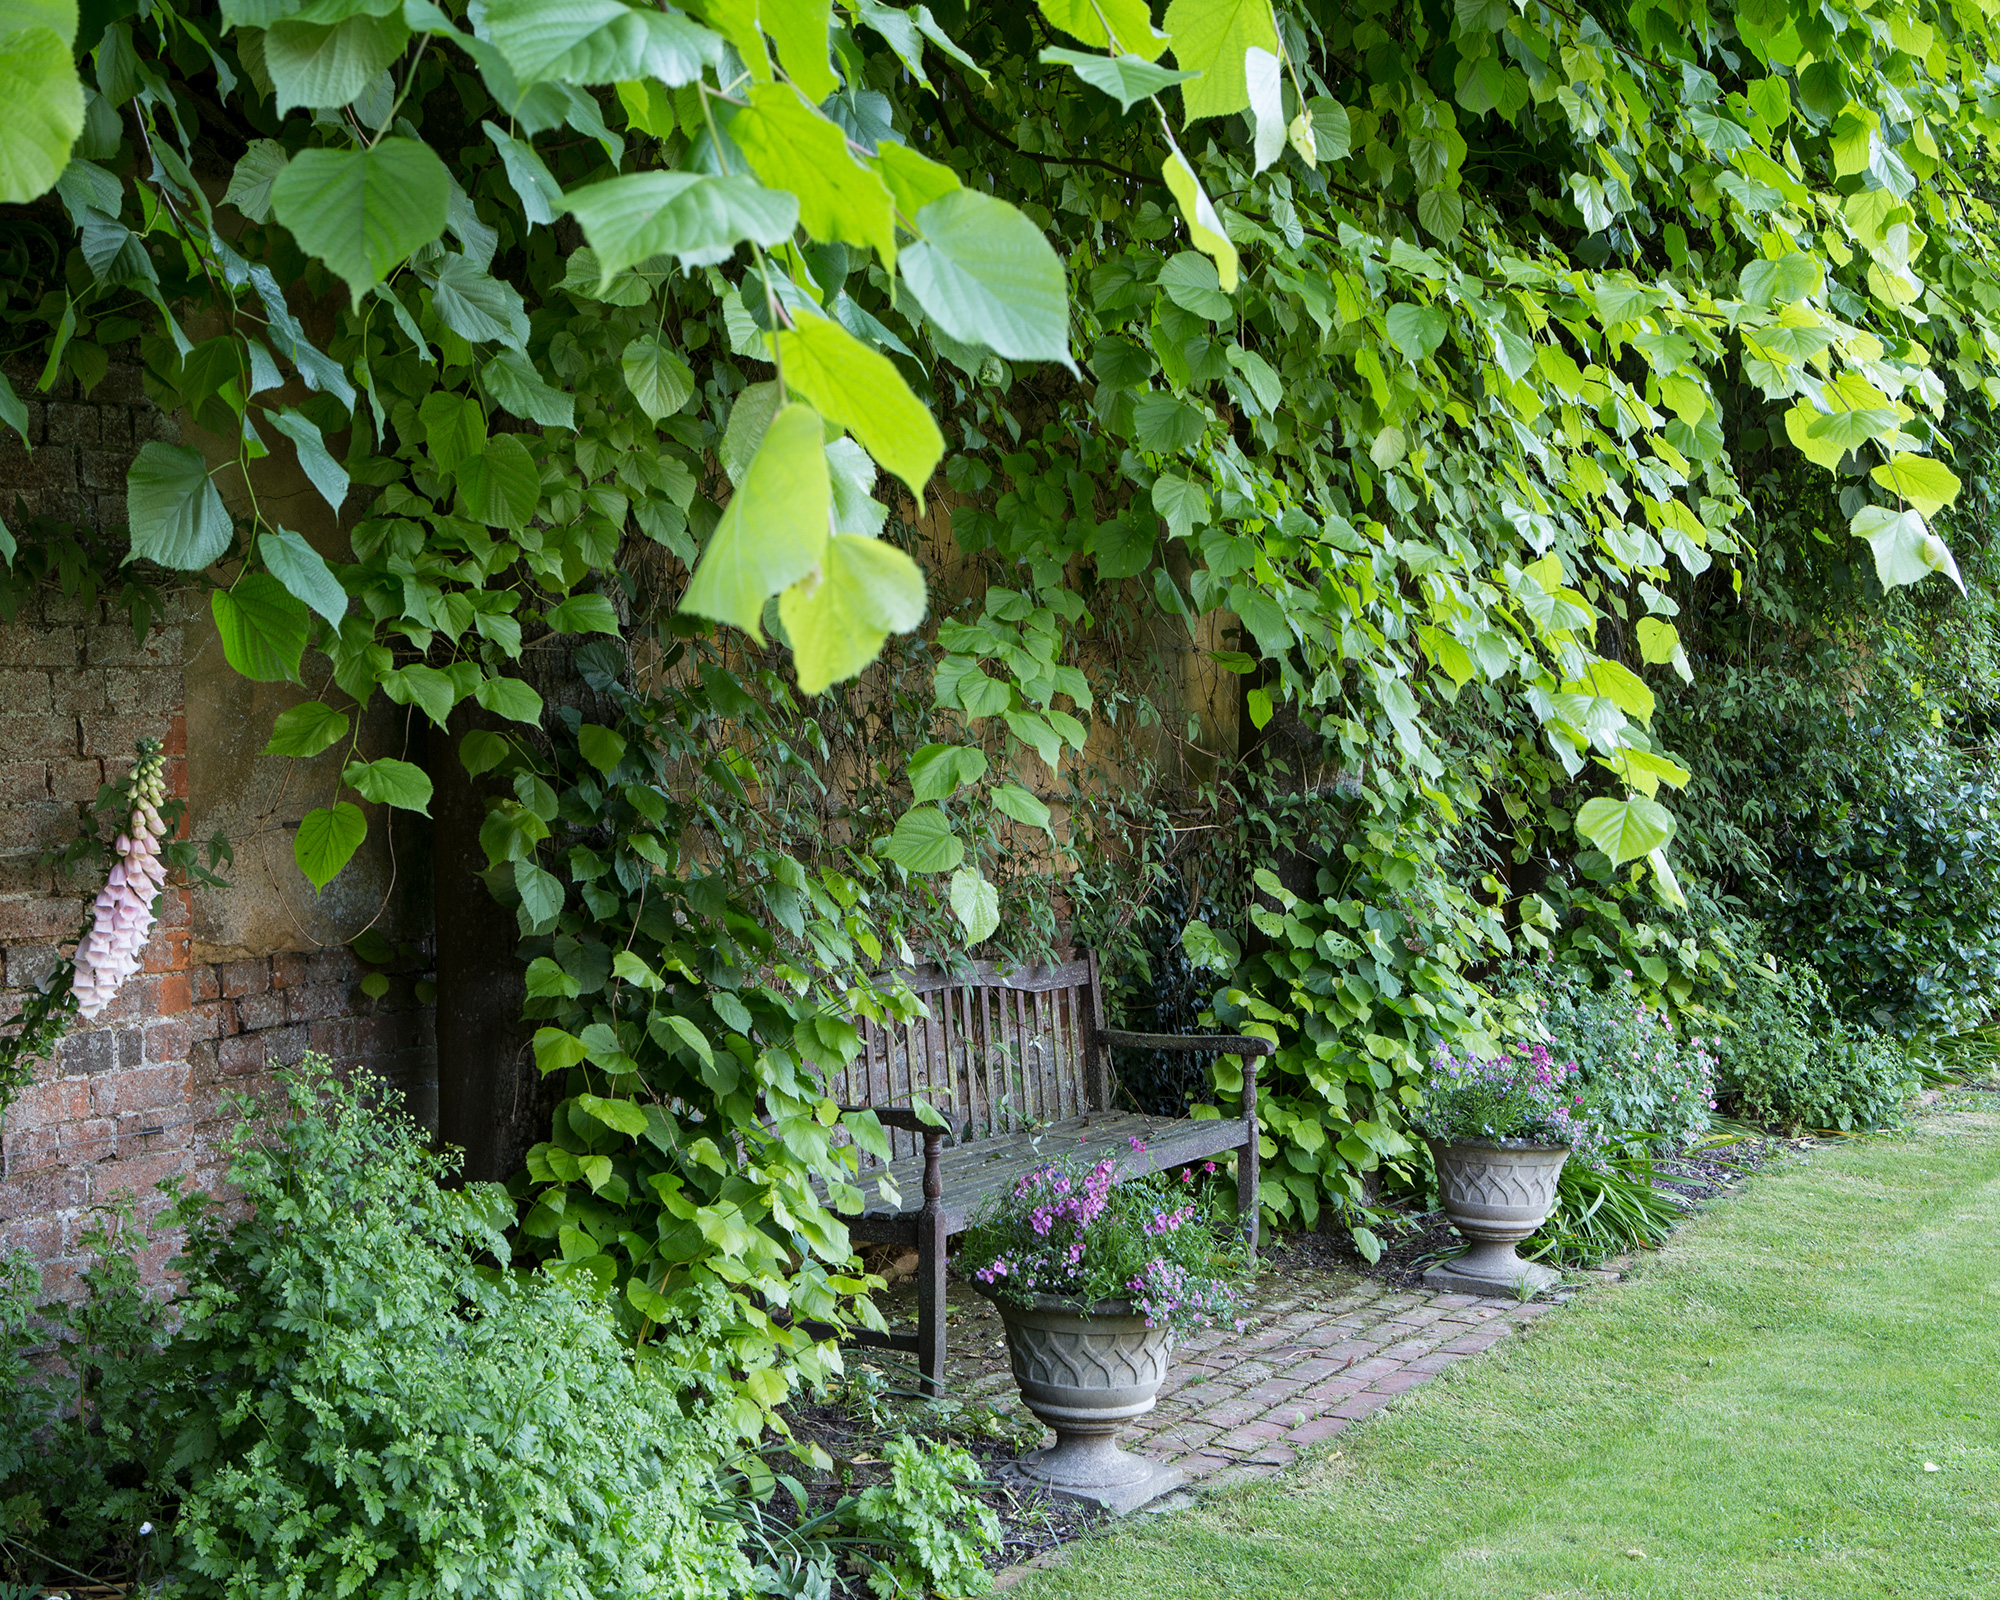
x=124, y=906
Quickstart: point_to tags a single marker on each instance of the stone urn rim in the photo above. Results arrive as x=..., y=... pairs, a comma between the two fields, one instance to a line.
x=1520, y=1144
x=1110, y=1306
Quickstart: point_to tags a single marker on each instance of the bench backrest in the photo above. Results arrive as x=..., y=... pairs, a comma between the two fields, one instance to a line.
x=1000, y=1051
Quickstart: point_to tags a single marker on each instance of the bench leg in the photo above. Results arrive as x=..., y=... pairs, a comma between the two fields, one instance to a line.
x=930, y=1271
x=930, y=1305
x=1246, y=1188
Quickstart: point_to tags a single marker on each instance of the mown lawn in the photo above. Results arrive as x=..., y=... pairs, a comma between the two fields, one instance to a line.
x=1747, y=1417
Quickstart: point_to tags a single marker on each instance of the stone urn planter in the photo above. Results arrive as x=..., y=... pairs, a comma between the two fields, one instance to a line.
x=1086, y=1374
x=1496, y=1194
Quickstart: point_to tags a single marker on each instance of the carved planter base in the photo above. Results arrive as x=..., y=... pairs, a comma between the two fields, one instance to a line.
x=1086, y=1377
x=1496, y=1195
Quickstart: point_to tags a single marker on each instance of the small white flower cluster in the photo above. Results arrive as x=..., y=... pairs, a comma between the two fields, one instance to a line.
x=110, y=954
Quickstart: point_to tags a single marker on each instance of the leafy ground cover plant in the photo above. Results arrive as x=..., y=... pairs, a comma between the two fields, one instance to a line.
x=1643, y=1075
x=1525, y=1096
x=1789, y=1061
x=358, y=1395
x=1084, y=1234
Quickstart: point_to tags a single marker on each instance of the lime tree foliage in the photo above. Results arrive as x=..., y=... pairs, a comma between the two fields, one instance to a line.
x=1422, y=366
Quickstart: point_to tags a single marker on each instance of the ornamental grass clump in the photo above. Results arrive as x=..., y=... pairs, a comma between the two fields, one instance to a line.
x=1524, y=1098
x=1084, y=1234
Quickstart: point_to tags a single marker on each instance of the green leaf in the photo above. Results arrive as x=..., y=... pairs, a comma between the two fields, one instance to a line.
x=249, y=188
x=688, y=1034
x=859, y=389
x=540, y=195
x=1164, y=425
x=755, y=406
x=390, y=782
x=326, y=841
x=1191, y=282
x=363, y=212
x=1184, y=505
x=914, y=180
x=625, y=1116
x=315, y=460
x=511, y=381
x=1441, y=213
x=976, y=904
x=1906, y=551
x=659, y=380
x=1645, y=771
x=939, y=771
x=305, y=730
x=1204, y=227
x=922, y=841
x=427, y=688
x=510, y=698
x=866, y=590
x=602, y=747
x=1927, y=483
x=44, y=100
x=628, y=968
x=541, y=897
x=478, y=308
x=263, y=628
x=1623, y=687
x=773, y=530
x=985, y=274
x=1789, y=278
x=1128, y=79
x=501, y=486
x=1658, y=641
x=325, y=68
x=548, y=981
x=304, y=573
x=1130, y=28
x=583, y=613
x=696, y=217
x=1625, y=829
x=1211, y=37
x=791, y=146
x=454, y=428
x=557, y=1051
x=481, y=751
x=598, y=41
x=177, y=517
x=1416, y=330
x=1123, y=547
x=799, y=28
x=1020, y=804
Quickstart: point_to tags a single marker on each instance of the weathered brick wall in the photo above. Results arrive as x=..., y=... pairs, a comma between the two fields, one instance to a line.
x=138, y=1095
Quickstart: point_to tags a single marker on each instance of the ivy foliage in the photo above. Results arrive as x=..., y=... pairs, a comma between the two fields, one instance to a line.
x=1418, y=364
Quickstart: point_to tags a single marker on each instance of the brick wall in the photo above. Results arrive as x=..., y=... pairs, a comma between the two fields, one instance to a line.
x=138, y=1095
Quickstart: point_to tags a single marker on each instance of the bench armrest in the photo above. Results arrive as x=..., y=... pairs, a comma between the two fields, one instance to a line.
x=1228, y=1044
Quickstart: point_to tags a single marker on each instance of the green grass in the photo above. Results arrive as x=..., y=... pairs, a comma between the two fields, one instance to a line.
x=1752, y=1409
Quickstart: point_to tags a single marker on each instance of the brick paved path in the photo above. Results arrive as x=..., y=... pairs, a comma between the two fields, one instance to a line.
x=1325, y=1348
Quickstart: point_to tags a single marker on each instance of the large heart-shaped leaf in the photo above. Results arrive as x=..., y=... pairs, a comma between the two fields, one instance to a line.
x=177, y=517
x=774, y=528
x=1625, y=829
x=327, y=839
x=363, y=212
x=986, y=275
x=263, y=628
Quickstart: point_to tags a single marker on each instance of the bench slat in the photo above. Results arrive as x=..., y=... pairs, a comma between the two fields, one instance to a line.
x=973, y=1173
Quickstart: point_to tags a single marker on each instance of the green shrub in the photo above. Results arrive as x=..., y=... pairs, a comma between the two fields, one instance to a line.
x=1788, y=1061
x=1644, y=1075
x=360, y=1397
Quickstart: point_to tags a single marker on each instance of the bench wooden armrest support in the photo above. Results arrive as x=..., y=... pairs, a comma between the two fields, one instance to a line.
x=931, y=1236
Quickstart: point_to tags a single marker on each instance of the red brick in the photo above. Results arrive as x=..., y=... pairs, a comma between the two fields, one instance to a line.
x=1402, y=1382
x=245, y=977
x=174, y=995
x=1317, y=1429
x=142, y=1089
x=167, y=1039
x=1365, y=1404
x=24, y=781
x=258, y=1011
x=240, y=1056
x=134, y=1173
x=288, y=969
x=204, y=983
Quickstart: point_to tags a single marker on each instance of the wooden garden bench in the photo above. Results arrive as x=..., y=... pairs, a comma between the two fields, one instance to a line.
x=1019, y=1065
